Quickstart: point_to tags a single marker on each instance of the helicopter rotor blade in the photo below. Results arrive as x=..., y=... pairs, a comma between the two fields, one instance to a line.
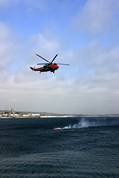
x=42, y=57
x=42, y=63
x=54, y=58
x=63, y=64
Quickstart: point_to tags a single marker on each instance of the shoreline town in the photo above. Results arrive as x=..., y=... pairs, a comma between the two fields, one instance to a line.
x=24, y=114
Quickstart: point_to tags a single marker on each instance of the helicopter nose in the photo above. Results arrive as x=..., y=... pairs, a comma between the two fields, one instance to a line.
x=56, y=66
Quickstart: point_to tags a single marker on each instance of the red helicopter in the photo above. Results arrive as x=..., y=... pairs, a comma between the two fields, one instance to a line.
x=47, y=66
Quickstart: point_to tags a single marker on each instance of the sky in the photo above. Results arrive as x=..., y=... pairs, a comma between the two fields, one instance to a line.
x=84, y=33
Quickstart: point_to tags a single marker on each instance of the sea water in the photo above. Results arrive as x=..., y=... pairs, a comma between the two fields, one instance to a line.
x=79, y=147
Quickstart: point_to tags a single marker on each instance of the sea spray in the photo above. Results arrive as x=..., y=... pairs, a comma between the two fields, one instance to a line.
x=81, y=124
x=85, y=122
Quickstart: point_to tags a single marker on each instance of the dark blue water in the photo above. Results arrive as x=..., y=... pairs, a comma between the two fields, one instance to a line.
x=80, y=148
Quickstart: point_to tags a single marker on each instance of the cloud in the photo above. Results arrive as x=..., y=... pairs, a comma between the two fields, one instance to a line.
x=23, y=88
x=7, y=46
x=46, y=42
x=88, y=85
x=97, y=15
x=98, y=64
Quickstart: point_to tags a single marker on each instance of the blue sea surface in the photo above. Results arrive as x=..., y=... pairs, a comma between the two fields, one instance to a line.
x=79, y=147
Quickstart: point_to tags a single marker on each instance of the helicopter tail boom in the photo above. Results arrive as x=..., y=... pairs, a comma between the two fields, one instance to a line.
x=35, y=69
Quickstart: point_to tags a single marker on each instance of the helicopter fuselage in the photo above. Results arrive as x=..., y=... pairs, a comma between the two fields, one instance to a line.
x=48, y=67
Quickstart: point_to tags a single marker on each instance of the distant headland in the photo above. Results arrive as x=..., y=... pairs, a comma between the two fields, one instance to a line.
x=25, y=114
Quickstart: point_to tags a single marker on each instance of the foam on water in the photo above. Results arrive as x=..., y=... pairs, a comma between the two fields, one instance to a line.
x=85, y=122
